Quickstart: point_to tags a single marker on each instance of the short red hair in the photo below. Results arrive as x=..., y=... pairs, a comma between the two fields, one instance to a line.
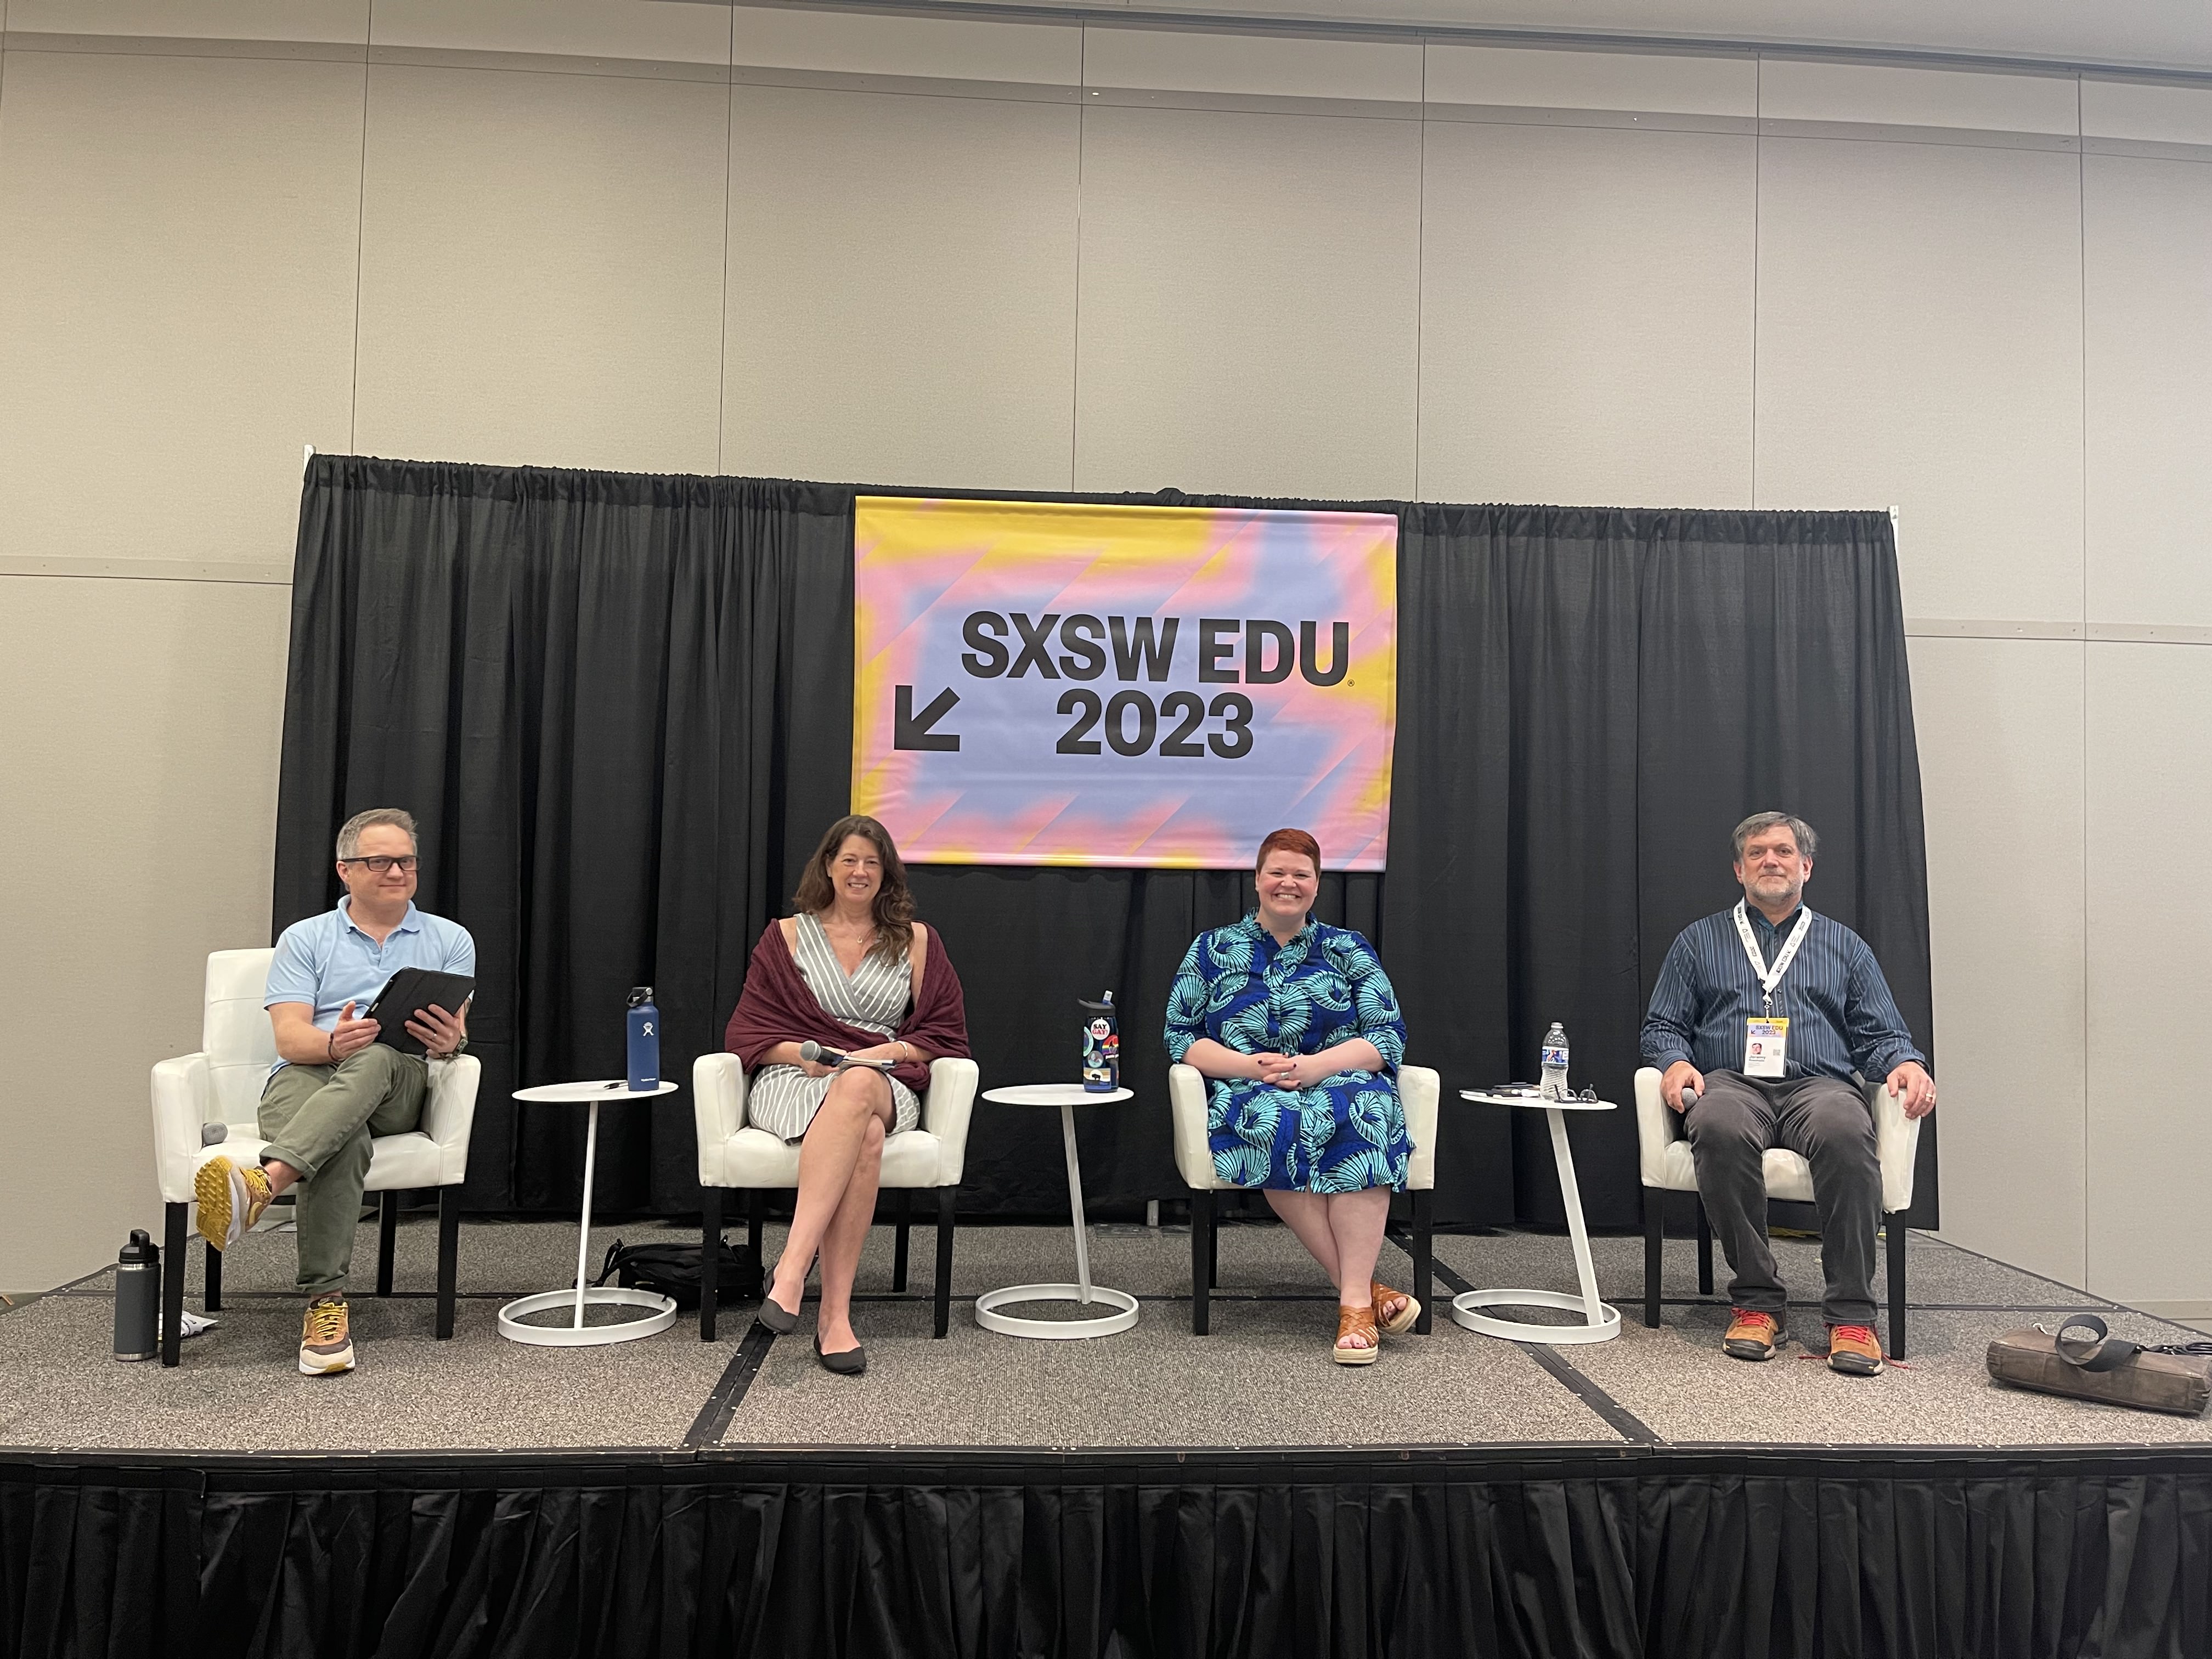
x=1291, y=840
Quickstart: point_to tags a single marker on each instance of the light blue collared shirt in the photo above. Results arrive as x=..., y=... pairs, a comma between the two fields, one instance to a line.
x=326, y=962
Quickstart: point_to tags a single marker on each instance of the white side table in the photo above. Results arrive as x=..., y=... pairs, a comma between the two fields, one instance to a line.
x=577, y=1335
x=1600, y=1321
x=1067, y=1097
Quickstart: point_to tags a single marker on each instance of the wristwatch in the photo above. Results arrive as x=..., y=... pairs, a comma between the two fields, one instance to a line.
x=455, y=1052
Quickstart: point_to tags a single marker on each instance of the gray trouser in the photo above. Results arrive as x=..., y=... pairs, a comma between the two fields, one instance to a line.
x=319, y=1120
x=1825, y=1122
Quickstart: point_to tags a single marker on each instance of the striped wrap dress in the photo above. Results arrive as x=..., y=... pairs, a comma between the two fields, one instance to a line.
x=783, y=1099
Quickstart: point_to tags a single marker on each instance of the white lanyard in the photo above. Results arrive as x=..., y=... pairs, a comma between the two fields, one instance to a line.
x=1771, y=977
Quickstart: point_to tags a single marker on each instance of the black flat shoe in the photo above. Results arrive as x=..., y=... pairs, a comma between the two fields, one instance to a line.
x=771, y=1314
x=850, y=1363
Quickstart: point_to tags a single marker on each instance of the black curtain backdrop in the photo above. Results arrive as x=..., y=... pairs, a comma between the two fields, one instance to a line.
x=621, y=707
x=1859, y=1553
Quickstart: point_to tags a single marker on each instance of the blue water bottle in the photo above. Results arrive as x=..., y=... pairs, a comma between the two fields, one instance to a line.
x=644, y=1039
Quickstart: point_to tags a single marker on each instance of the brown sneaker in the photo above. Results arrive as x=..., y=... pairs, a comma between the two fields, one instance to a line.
x=1752, y=1335
x=1853, y=1350
x=231, y=1200
x=326, y=1343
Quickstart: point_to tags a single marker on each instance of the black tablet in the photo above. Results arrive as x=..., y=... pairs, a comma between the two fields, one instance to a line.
x=411, y=989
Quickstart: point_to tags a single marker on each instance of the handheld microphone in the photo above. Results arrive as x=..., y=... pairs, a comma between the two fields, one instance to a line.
x=812, y=1050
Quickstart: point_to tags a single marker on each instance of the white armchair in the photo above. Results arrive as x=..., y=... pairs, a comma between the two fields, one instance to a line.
x=1419, y=1091
x=222, y=1084
x=1669, y=1166
x=734, y=1154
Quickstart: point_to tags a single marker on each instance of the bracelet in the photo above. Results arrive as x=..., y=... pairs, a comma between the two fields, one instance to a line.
x=331, y=1050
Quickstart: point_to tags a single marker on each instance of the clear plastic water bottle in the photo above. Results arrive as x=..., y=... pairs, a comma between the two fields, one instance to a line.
x=644, y=1039
x=1555, y=1063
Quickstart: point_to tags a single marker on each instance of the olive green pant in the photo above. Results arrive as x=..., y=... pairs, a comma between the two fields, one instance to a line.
x=319, y=1120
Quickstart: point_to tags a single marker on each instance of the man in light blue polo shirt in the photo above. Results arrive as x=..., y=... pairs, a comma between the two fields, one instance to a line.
x=335, y=1087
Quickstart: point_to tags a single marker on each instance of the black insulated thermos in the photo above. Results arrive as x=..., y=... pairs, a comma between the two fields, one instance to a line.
x=138, y=1297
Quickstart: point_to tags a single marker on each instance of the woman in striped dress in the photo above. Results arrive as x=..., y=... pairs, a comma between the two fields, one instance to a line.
x=854, y=971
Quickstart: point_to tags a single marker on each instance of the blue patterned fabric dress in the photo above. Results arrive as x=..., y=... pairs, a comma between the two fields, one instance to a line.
x=1247, y=992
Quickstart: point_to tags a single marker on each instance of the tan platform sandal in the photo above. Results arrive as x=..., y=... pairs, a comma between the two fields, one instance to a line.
x=1407, y=1315
x=1355, y=1321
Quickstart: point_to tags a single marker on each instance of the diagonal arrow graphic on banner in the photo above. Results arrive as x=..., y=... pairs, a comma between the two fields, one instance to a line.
x=907, y=733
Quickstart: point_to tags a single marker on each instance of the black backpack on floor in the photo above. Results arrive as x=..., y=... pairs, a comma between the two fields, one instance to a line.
x=672, y=1270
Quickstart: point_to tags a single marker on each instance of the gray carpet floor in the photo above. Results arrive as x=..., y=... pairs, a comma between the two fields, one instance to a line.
x=1263, y=1378
x=1677, y=1380
x=239, y=1386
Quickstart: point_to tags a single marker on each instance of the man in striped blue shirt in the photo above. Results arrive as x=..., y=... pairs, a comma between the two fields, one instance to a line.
x=1761, y=1017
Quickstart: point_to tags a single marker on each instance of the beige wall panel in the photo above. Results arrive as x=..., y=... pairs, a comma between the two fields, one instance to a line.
x=2164, y=31
x=1793, y=90
x=542, y=268
x=1586, y=320
x=1046, y=54
x=2149, y=264
x=901, y=303
x=2154, y=114
x=1179, y=60
x=669, y=31
x=197, y=20
x=1517, y=76
x=146, y=714
x=2150, y=1136
x=1920, y=347
x=1248, y=309
x=1999, y=723
x=177, y=253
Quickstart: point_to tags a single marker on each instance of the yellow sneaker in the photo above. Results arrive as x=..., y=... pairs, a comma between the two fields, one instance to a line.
x=231, y=1200
x=326, y=1343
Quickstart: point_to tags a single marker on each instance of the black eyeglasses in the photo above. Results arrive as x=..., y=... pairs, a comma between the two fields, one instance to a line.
x=379, y=865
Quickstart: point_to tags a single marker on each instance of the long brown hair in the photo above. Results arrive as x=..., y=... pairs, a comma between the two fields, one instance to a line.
x=894, y=902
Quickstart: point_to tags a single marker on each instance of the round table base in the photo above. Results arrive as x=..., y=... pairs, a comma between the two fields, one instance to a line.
x=586, y=1336
x=988, y=1316
x=1464, y=1311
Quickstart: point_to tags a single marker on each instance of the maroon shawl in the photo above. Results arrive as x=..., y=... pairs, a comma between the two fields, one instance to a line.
x=777, y=1006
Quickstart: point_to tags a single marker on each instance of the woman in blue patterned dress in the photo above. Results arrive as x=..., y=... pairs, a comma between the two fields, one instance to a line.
x=1296, y=1029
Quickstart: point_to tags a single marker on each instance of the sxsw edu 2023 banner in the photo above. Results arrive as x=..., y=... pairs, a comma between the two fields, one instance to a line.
x=1040, y=682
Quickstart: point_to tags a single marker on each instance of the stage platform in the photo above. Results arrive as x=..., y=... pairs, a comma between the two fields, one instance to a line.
x=1149, y=1491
